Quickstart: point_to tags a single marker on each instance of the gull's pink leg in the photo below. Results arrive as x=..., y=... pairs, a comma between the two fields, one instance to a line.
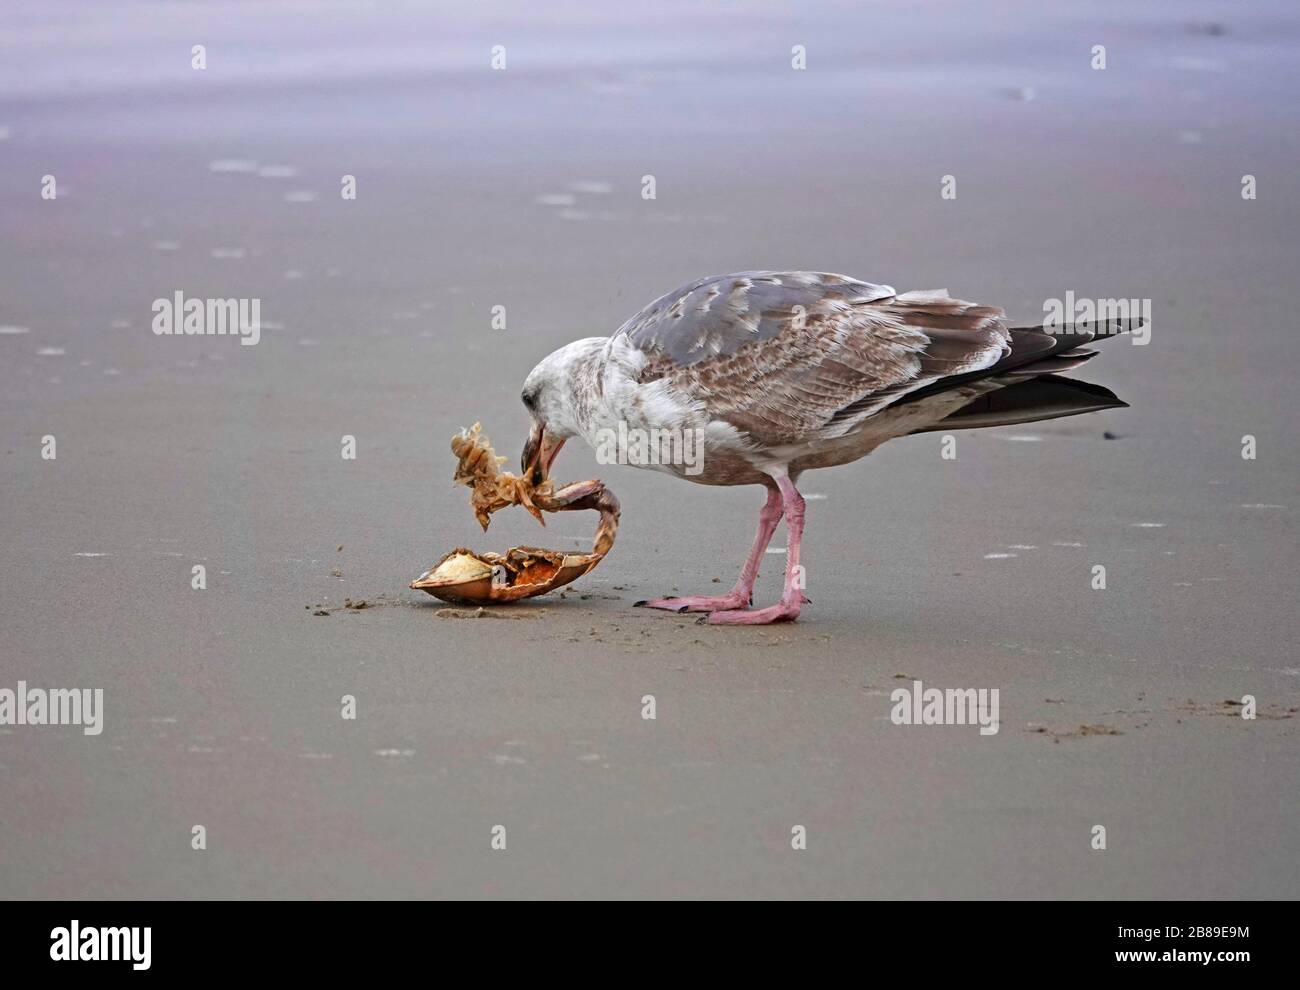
x=792, y=598
x=741, y=595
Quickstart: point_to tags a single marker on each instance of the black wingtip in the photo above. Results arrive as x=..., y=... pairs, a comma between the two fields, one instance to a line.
x=1042, y=398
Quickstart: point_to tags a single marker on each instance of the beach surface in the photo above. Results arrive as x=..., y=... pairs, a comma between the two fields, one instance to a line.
x=523, y=188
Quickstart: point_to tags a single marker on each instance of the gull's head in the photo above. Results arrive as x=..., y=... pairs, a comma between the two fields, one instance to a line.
x=551, y=394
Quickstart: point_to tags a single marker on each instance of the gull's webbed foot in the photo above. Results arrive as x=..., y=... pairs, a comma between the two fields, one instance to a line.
x=784, y=611
x=698, y=603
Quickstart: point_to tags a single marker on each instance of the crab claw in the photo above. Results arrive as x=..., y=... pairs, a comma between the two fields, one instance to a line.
x=526, y=500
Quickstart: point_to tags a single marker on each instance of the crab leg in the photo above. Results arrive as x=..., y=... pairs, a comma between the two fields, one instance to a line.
x=586, y=495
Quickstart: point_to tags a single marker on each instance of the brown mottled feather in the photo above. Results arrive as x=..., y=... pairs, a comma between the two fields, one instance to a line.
x=788, y=357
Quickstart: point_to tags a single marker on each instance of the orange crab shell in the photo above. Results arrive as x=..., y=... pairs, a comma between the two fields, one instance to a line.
x=464, y=577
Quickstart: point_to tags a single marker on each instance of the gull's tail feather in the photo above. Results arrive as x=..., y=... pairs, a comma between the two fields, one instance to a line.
x=1097, y=330
x=1024, y=386
x=1031, y=346
x=1029, y=401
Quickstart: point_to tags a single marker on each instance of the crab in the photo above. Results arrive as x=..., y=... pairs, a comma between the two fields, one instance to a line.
x=464, y=576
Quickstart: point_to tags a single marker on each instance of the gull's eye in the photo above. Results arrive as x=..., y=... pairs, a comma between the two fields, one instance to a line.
x=530, y=399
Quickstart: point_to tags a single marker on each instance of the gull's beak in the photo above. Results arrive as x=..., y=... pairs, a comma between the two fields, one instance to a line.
x=539, y=453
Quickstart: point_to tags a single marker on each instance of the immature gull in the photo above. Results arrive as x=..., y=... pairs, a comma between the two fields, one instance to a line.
x=783, y=372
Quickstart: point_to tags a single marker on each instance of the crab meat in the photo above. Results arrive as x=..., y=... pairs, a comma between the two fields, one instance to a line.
x=479, y=466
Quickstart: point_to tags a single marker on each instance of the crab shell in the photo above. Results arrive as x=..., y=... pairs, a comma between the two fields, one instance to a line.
x=464, y=577
x=522, y=572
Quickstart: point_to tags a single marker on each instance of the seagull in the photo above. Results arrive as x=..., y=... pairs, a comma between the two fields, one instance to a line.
x=778, y=373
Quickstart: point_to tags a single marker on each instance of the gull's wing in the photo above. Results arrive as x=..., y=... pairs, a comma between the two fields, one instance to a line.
x=792, y=357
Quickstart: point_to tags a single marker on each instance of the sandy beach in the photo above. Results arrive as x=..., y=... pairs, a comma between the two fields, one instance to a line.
x=522, y=188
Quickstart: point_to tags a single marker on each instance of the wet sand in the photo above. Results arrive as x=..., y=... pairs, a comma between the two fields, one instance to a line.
x=522, y=189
